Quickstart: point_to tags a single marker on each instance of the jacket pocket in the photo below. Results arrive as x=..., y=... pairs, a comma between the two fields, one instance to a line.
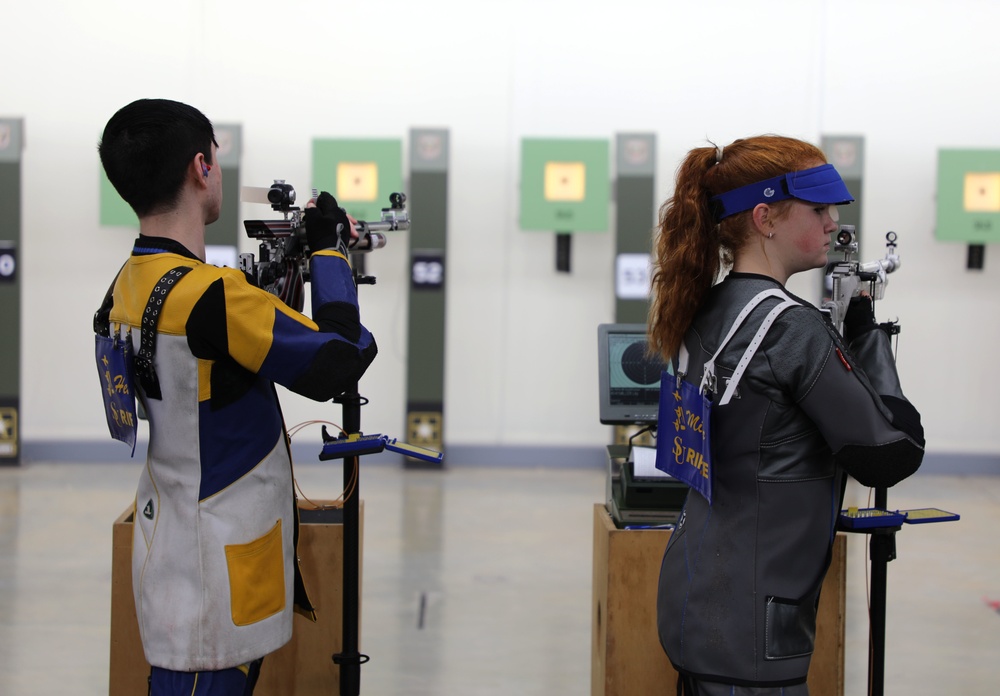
x=256, y=578
x=789, y=629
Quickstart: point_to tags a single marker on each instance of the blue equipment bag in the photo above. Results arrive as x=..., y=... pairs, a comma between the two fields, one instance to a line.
x=683, y=442
x=115, y=368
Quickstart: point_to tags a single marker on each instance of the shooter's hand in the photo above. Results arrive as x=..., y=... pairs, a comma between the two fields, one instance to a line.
x=328, y=226
x=860, y=317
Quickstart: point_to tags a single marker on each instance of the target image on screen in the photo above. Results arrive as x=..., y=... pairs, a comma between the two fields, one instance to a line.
x=632, y=376
x=629, y=376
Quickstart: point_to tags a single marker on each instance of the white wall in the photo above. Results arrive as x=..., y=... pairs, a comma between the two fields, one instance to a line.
x=910, y=76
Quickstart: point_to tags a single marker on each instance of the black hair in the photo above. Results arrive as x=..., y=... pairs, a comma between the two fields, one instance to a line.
x=146, y=149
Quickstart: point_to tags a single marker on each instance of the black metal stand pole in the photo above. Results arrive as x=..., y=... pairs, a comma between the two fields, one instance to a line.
x=882, y=549
x=349, y=659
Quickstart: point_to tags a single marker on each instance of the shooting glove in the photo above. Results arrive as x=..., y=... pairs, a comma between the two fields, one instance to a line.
x=327, y=225
x=860, y=317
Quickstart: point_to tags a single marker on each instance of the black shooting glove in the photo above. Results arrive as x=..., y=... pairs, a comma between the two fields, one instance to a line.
x=860, y=317
x=327, y=225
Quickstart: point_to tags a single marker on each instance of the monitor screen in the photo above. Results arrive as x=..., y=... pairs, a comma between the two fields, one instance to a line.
x=629, y=376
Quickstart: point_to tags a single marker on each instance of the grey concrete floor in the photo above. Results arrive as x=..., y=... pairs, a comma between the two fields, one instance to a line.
x=477, y=581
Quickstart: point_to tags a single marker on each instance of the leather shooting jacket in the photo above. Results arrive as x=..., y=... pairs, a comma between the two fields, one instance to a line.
x=740, y=579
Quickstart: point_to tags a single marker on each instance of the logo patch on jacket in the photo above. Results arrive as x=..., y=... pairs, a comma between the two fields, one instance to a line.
x=147, y=511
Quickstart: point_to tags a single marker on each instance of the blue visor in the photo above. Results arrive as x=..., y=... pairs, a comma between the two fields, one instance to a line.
x=817, y=185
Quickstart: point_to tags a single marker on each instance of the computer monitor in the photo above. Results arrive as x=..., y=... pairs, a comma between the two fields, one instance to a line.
x=629, y=377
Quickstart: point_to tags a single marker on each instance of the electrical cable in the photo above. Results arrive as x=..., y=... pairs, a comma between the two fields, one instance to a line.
x=353, y=482
x=648, y=429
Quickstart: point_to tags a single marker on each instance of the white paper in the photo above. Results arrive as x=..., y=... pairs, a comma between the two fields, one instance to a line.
x=644, y=464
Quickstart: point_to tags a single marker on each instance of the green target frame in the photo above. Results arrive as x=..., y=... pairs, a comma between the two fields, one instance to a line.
x=565, y=185
x=968, y=196
x=360, y=173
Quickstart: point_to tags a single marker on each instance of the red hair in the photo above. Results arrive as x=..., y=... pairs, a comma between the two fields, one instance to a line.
x=691, y=248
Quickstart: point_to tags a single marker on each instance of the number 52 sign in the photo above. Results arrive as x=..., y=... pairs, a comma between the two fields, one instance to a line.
x=8, y=263
x=427, y=272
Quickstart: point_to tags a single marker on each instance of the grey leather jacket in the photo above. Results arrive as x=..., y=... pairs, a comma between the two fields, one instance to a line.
x=740, y=579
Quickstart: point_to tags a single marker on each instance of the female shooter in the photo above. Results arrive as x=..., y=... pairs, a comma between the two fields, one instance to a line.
x=740, y=578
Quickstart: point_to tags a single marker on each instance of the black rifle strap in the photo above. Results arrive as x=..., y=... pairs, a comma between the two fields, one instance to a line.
x=144, y=368
x=103, y=315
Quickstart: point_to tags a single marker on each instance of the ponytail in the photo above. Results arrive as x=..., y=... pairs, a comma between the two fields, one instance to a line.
x=686, y=253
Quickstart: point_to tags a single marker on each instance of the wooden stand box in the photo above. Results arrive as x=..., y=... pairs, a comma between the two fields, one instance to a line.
x=302, y=666
x=626, y=656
